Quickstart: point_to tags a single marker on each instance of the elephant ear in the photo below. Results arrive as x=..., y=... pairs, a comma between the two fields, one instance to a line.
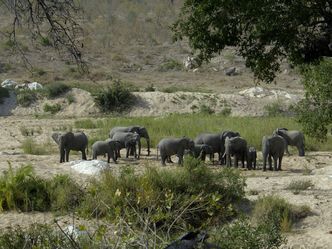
x=56, y=137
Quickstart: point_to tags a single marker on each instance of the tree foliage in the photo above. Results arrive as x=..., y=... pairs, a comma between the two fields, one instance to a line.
x=315, y=110
x=264, y=32
x=53, y=23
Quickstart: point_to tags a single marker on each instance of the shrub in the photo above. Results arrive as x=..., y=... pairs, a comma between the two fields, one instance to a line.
x=70, y=98
x=65, y=193
x=277, y=210
x=241, y=234
x=297, y=186
x=56, y=89
x=170, y=65
x=26, y=97
x=274, y=109
x=150, y=88
x=22, y=190
x=206, y=109
x=52, y=108
x=226, y=111
x=116, y=98
x=4, y=93
x=29, y=146
x=191, y=195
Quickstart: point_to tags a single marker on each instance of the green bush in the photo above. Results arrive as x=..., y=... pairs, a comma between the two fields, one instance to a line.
x=192, y=195
x=65, y=193
x=241, y=234
x=70, y=98
x=170, y=65
x=274, y=110
x=150, y=88
x=299, y=185
x=116, y=98
x=279, y=211
x=52, y=108
x=29, y=146
x=206, y=109
x=26, y=97
x=56, y=89
x=23, y=190
x=4, y=93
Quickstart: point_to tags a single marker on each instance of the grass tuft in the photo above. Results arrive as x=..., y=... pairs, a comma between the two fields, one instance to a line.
x=56, y=89
x=52, y=108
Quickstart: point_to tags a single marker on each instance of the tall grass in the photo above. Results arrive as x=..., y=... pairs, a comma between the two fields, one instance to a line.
x=176, y=125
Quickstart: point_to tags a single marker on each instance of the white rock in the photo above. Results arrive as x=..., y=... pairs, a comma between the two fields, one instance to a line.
x=258, y=92
x=9, y=83
x=189, y=62
x=92, y=167
x=74, y=232
x=35, y=86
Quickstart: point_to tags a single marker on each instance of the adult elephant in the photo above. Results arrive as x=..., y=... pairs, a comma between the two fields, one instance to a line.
x=273, y=147
x=70, y=141
x=237, y=147
x=293, y=138
x=216, y=141
x=174, y=146
x=140, y=130
x=109, y=147
x=128, y=140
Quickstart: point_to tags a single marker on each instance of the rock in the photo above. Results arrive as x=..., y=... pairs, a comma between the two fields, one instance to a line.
x=189, y=63
x=9, y=83
x=35, y=86
x=231, y=71
x=92, y=167
x=74, y=232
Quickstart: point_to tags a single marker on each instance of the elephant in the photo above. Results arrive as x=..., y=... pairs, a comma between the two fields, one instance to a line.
x=174, y=146
x=273, y=146
x=237, y=147
x=216, y=141
x=105, y=147
x=70, y=141
x=200, y=151
x=128, y=140
x=251, y=157
x=140, y=130
x=293, y=138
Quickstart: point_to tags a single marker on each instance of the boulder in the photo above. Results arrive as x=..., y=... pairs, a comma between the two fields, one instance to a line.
x=9, y=83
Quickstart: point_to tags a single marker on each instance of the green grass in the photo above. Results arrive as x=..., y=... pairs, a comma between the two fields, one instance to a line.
x=26, y=97
x=176, y=125
x=299, y=185
x=52, y=108
x=53, y=90
x=30, y=146
x=278, y=210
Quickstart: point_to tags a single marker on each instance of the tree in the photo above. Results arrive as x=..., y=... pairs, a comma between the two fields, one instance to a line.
x=52, y=22
x=264, y=33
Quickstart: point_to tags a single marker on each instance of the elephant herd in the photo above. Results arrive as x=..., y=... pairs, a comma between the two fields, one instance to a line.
x=226, y=144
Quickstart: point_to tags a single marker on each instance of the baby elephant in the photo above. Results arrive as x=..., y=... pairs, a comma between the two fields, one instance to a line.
x=200, y=151
x=251, y=157
x=105, y=147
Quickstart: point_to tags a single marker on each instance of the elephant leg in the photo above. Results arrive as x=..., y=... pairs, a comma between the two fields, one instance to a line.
x=279, y=164
x=163, y=159
x=67, y=155
x=236, y=161
x=286, y=149
x=169, y=159
x=127, y=152
x=83, y=154
x=270, y=162
x=301, y=150
x=108, y=157
x=62, y=156
x=264, y=163
x=180, y=156
x=275, y=163
x=254, y=163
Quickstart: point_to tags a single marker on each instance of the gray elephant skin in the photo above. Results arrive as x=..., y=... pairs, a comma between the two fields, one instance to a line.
x=128, y=140
x=140, y=130
x=251, y=157
x=70, y=141
x=200, y=151
x=174, y=146
x=273, y=147
x=216, y=141
x=237, y=147
x=105, y=147
x=293, y=138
